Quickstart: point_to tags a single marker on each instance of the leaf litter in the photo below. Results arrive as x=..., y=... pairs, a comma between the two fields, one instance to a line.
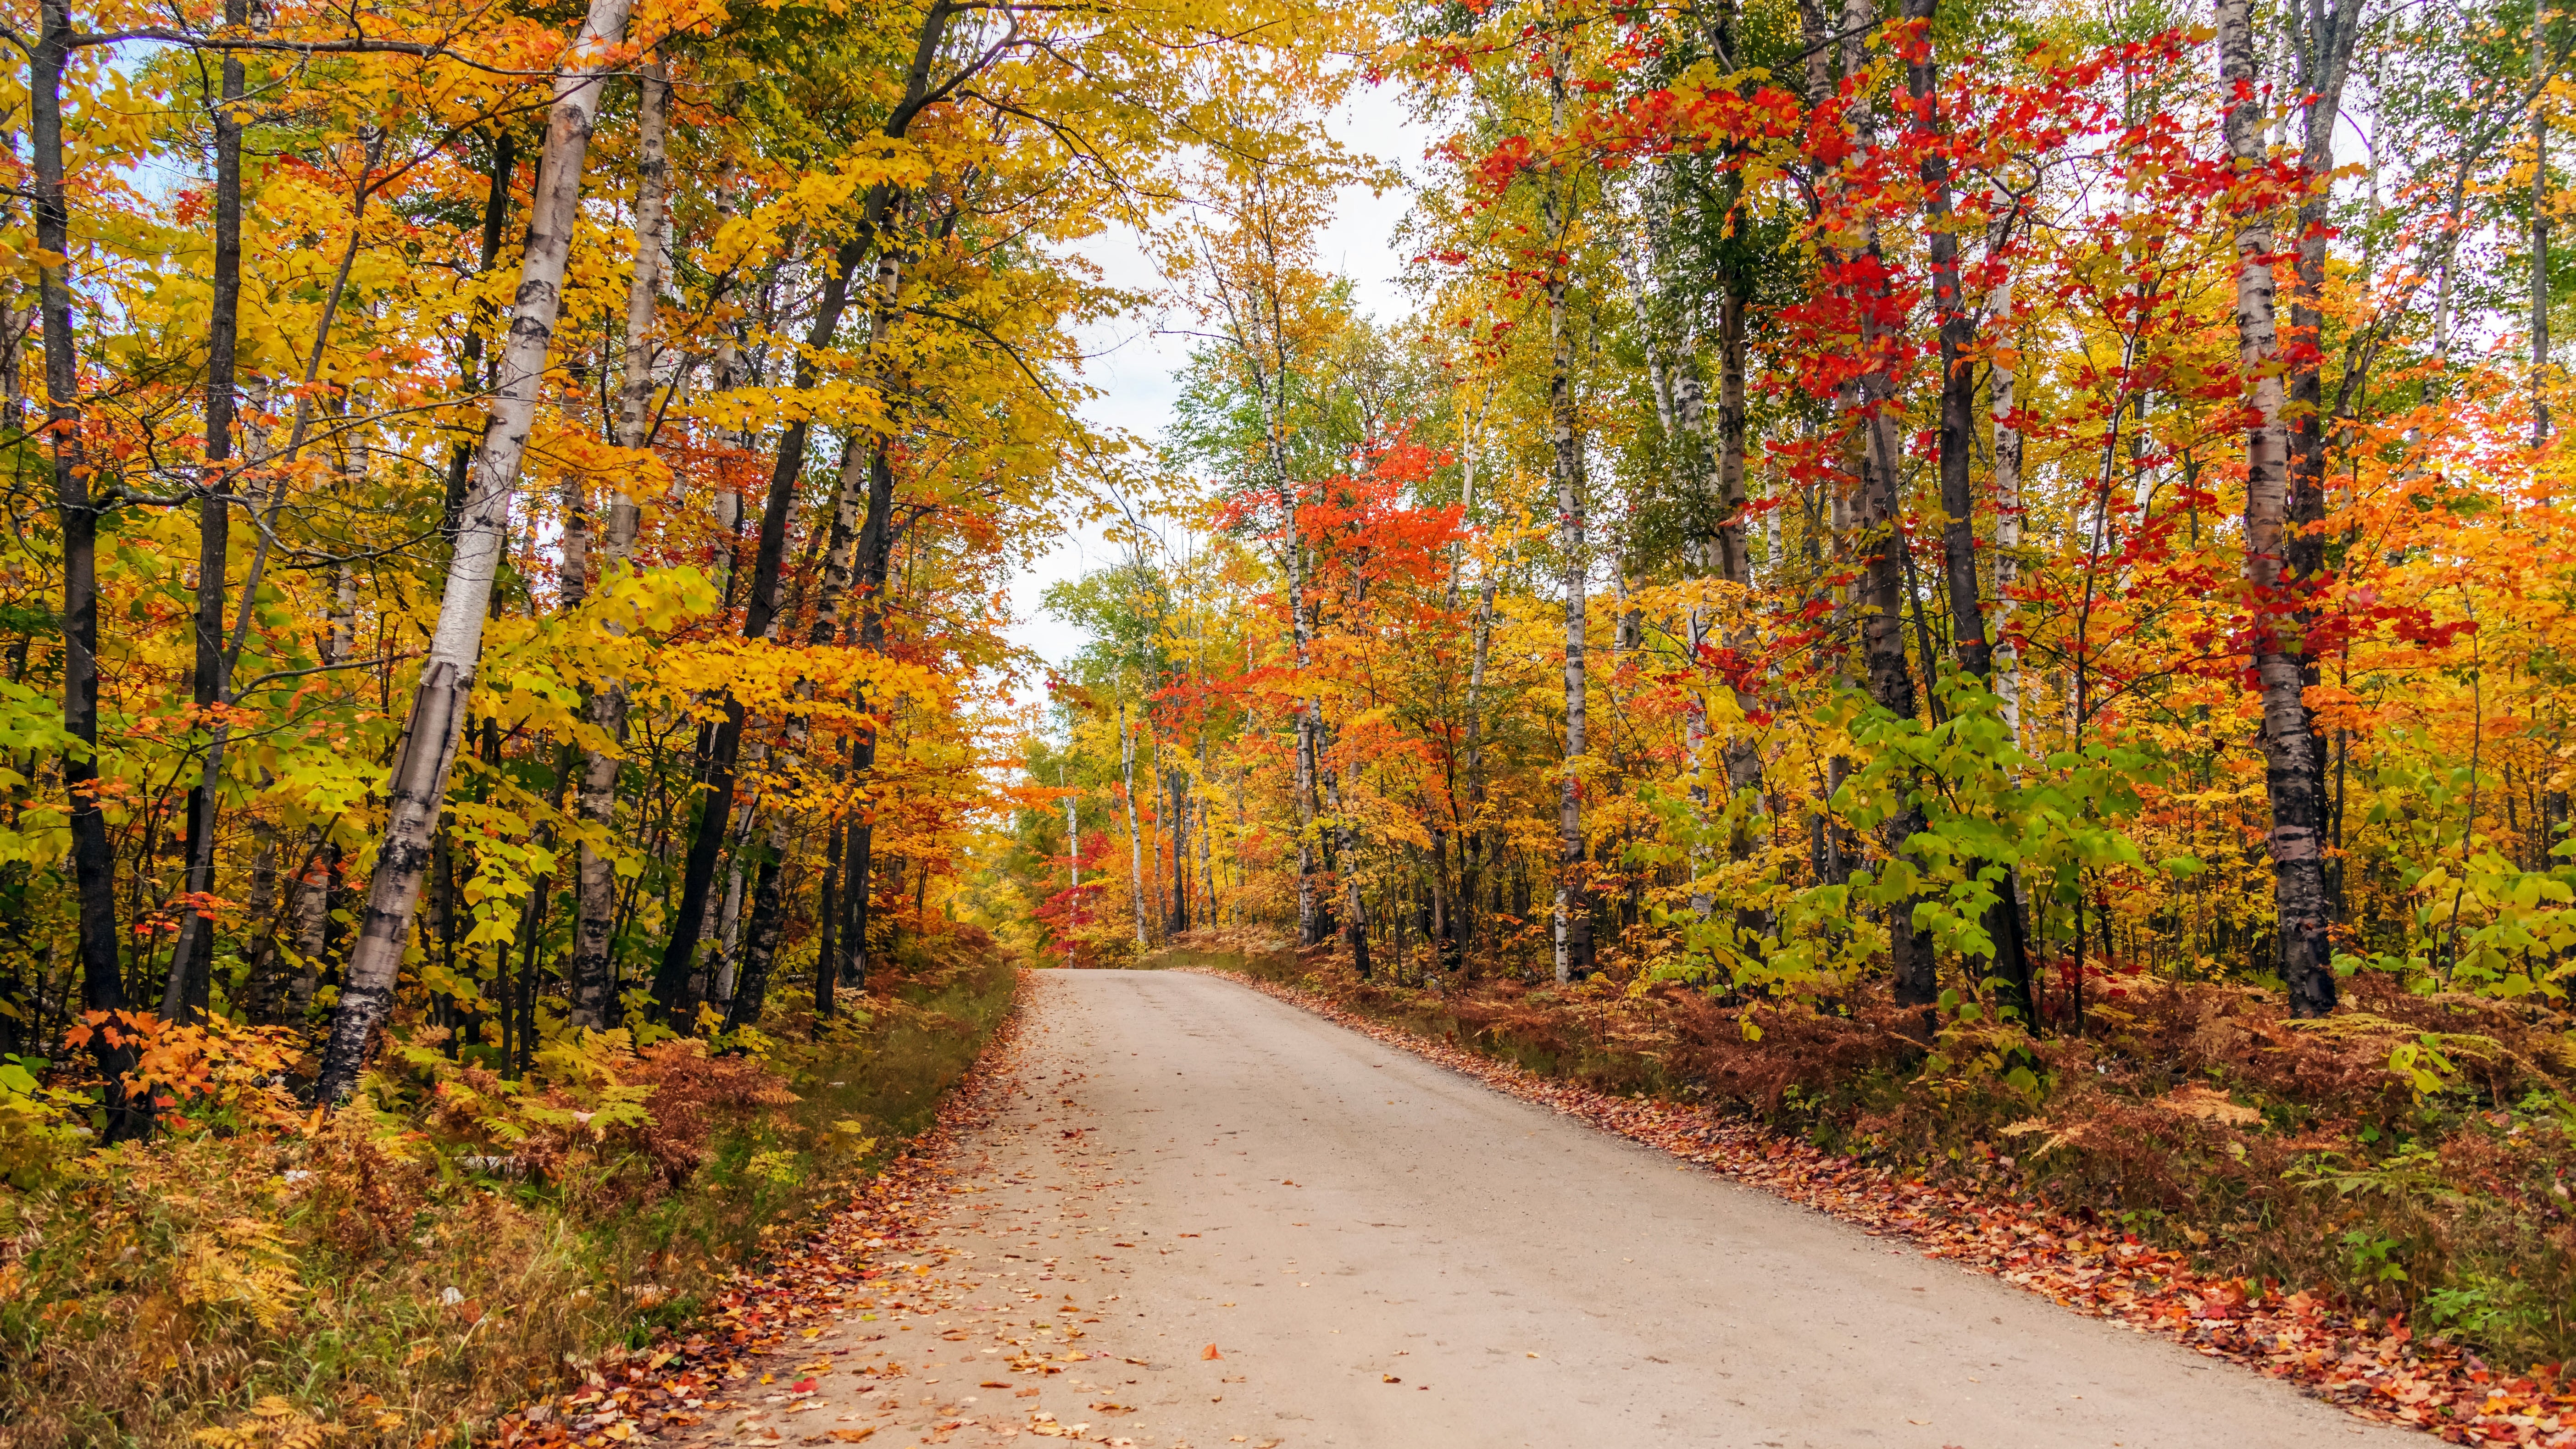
x=737, y=1375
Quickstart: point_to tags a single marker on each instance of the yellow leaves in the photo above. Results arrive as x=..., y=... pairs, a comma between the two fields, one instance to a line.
x=837, y=400
x=817, y=680
x=274, y=1423
x=240, y=1264
x=651, y=21
x=218, y=1071
x=567, y=448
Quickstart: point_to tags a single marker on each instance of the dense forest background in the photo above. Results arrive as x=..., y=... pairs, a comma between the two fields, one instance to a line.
x=1965, y=503
x=509, y=507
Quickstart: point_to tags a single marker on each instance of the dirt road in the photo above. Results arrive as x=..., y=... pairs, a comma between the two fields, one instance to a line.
x=1387, y=1254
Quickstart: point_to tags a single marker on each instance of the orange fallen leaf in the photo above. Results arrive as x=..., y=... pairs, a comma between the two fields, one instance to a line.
x=1389, y=1379
x=1210, y=1352
x=992, y=1384
x=848, y=1436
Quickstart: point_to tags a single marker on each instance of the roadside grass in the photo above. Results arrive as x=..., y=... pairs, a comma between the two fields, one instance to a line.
x=425, y=1259
x=2413, y=1157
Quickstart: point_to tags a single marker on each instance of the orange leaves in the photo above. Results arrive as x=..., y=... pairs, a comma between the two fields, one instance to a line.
x=1504, y=164
x=219, y=1074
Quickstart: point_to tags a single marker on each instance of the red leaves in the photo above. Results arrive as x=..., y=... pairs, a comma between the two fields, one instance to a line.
x=1829, y=141
x=1503, y=164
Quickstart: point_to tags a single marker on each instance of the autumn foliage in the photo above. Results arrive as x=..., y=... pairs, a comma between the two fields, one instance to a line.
x=1934, y=575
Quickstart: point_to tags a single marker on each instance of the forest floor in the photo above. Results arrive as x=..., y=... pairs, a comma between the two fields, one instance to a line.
x=385, y=1277
x=1173, y=1211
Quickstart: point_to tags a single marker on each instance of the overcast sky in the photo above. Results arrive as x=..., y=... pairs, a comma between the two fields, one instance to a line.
x=1135, y=362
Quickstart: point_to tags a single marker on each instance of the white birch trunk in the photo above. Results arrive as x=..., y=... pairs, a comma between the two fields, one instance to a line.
x=592, y=986
x=417, y=790
x=2003, y=382
x=1135, y=841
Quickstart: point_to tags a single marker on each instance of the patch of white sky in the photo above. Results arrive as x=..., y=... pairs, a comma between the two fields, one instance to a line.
x=1136, y=361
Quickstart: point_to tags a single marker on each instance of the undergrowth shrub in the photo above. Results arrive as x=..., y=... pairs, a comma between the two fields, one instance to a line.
x=403, y=1269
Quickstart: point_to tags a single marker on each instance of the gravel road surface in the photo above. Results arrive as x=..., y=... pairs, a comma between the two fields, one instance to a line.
x=1383, y=1253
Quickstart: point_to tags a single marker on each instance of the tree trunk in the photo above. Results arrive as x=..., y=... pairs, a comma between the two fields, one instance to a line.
x=1958, y=338
x=418, y=788
x=855, y=896
x=1734, y=558
x=263, y=995
x=670, y=980
x=1176, y=788
x=1454, y=908
x=768, y=925
x=726, y=929
x=2001, y=385
x=93, y=863
x=1355, y=912
x=189, y=991
x=1474, y=845
x=827, y=928
x=2325, y=46
x=1207, y=863
x=1573, y=893
x=1135, y=841
x=2289, y=747
x=1310, y=915
x=875, y=550
x=1881, y=526
x=592, y=973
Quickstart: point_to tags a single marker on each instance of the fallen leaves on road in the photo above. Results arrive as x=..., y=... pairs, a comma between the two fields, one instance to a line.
x=2385, y=1375
x=1210, y=1352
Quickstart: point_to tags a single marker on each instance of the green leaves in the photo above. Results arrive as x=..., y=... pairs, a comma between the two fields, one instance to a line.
x=1989, y=810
